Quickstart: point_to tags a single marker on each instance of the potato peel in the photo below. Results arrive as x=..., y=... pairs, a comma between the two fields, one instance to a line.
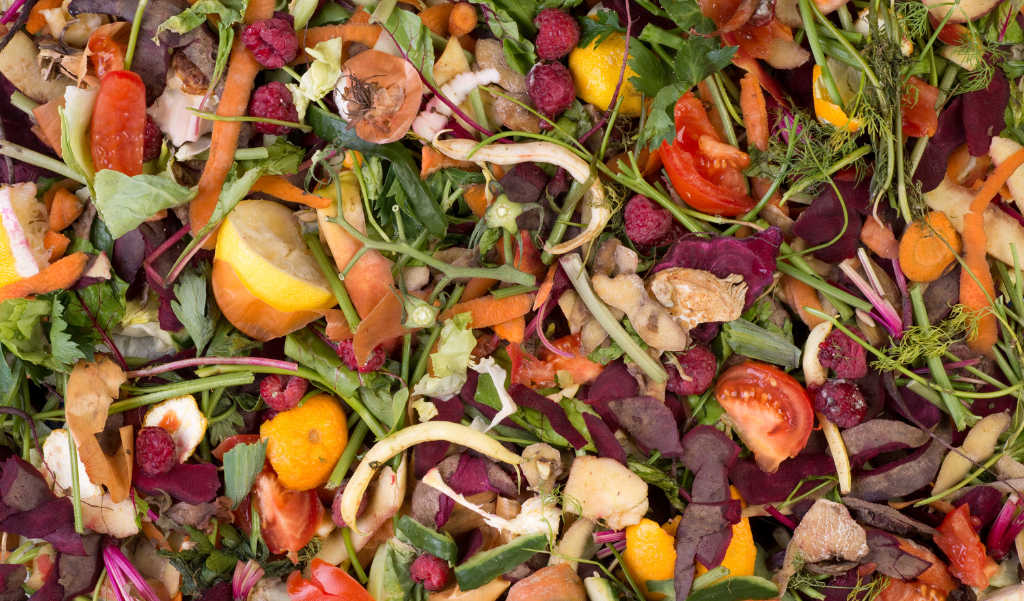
x=90, y=390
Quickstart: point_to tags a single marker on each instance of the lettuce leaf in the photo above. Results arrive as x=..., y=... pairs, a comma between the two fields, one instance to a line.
x=320, y=78
x=124, y=202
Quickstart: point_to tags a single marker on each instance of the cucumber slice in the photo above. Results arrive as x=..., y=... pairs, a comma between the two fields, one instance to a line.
x=600, y=589
x=485, y=567
x=426, y=539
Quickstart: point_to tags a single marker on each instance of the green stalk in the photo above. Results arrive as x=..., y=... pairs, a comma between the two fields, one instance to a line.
x=629, y=176
x=348, y=455
x=40, y=160
x=576, y=192
x=134, y=37
x=725, y=114
x=435, y=333
x=215, y=117
x=824, y=287
x=330, y=272
x=810, y=27
x=849, y=159
x=76, y=486
x=346, y=535
x=512, y=291
x=23, y=102
x=954, y=407
x=653, y=34
x=581, y=282
x=242, y=154
x=383, y=11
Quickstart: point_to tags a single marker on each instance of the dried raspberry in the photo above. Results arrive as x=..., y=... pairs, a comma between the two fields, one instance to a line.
x=647, y=224
x=557, y=34
x=154, y=451
x=841, y=402
x=272, y=41
x=336, y=506
x=347, y=353
x=432, y=572
x=152, y=141
x=273, y=101
x=282, y=393
x=699, y=364
x=551, y=88
x=844, y=356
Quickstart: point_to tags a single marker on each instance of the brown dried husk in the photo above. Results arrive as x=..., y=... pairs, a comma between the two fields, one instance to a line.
x=90, y=390
x=397, y=83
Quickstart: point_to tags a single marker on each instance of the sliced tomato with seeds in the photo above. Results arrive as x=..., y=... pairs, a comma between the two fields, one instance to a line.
x=300, y=589
x=288, y=519
x=119, y=123
x=770, y=411
x=961, y=544
x=529, y=370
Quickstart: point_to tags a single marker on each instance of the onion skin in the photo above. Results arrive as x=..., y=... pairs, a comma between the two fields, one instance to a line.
x=395, y=75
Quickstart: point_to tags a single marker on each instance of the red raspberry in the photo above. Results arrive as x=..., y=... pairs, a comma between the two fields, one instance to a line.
x=648, y=224
x=336, y=506
x=432, y=572
x=557, y=34
x=282, y=393
x=272, y=41
x=154, y=451
x=347, y=353
x=273, y=101
x=152, y=141
x=841, y=402
x=844, y=356
x=700, y=366
x=551, y=88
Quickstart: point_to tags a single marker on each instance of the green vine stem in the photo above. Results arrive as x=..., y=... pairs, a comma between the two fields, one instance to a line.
x=331, y=273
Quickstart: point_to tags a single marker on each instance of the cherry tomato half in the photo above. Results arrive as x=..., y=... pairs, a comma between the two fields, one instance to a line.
x=963, y=547
x=917, y=108
x=335, y=581
x=288, y=519
x=119, y=123
x=770, y=411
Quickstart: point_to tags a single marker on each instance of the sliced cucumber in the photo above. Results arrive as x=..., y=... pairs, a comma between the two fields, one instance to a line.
x=427, y=539
x=600, y=589
x=485, y=567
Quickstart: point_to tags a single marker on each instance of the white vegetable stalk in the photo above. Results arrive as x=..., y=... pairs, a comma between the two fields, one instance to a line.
x=815, y=374
x=536, y=514
x=596, y=211
x=429, y=123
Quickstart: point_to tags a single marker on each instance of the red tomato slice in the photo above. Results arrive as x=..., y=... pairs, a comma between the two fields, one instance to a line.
x=529, y=370
x=335, y=581
x=119, y=123
x=698, y=191
x=288, y=519
x=582, y=370
x=918, y=109
x=954, y=34
x=963, y=547
x=300, y=589
x=231, y=442
x=770, y=411
x=757, y=40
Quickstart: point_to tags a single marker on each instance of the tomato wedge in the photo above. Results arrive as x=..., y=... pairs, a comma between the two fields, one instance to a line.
x=917, y=108
x=288, y=519
x=119, y=123
x=582, y=370
x=963, y=547
x=706, y=173
x=335, y=581
x=770, y=411
x=300, y=589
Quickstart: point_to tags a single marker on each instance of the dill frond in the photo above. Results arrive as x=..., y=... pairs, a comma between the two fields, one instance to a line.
x=920, y=342
x=912, y=18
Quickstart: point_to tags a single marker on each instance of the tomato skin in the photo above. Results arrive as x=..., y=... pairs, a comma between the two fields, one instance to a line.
x=954, y=34
x=231, y=442
x=917, y=108
x=698, y=192
x=757, y=39
x=770, y=411
x=119, y=123
x=963, y=547
x=529, y=370
x=335, y=581
x=288, y=519
x=582, y=370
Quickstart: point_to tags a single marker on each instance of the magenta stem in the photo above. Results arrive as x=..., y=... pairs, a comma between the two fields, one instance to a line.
x=183, y=261
x=775, y=513
x=9, y=15
x=609, y=536
x=185, y=363
x=148, y=263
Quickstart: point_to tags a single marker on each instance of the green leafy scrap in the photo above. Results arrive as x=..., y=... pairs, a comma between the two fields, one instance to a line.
x=186, y=21
x=699, y=58
x=651, y=72
x=660, y=125
x=658, y=478
x=125, y=202
x=563, y=5
x=191, y=307
x=21, y=330
x=413, y=37
x=687, y=15
x=283, y=159
x=241, y=465
x=597, y=31
x=65, y=350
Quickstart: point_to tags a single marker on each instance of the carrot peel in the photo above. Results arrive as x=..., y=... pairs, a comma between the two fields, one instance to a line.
x=56, y=276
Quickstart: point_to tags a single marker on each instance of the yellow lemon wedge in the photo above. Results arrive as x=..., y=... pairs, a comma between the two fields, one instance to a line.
x=23, y=224
x=595, y=71
x=262, y=242
x=826, y=107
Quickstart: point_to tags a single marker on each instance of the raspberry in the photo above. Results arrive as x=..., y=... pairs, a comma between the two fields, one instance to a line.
x=551, y=88
x=154, y=451
x=844, y=356
x=348, y=354
x=432, y=572
x=272, y=41
x=557, y=34
x=152, y=141
x=841, y=402
x=336, y=506
x=700, y=366
x=282, y=393
x=647, y=224
x=273, y=101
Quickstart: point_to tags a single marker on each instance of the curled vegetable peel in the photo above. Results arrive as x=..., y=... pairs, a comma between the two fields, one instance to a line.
x=394, y=444
x=596, y=211
x=815, y=374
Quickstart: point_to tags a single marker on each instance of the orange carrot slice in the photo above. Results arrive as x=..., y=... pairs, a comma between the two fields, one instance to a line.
x=928, y=247
x=513, y=330
x=488, y=311
x=56, y=243
x=382, y=324
x=477, y=287
x=65, y=209
x=281, y=188
x=800, y=295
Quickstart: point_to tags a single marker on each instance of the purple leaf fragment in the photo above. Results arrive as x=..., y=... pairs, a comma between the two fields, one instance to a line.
x=984, y=113
x=79, y=574
x=984, y=502
x=13, y=575
x=475, y=475
x=710, y=522
x=650, y=423
x=22, y=487
x=948, y=136
x=41, y=520
x=605, y=441
x=877, y=436
x=823, y=221
x=709, y=454
x=916, y=408
x=882, y=516
x=186, y=482
x=428, y=454
x=65, y=540
x=524, y=396
x=905, y=476
x=614, y=382
x=892, y=561
x=757, y=487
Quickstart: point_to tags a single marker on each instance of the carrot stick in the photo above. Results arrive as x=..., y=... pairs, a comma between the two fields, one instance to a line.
x=436, y=18
x=977, y=290
x=36, y=21
x=755, y=112
x=513, y=330
x=279, y=187
x=477, y=287
x=488, y=311
x=800, y=295
x=350, y=32
x=56, y=276
x=545, y=288
x=65, y=209
x=476, y=197
x=242, y=71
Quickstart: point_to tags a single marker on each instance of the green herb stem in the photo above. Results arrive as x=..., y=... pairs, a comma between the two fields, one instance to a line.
x=134, y=37
x=76, y=485
x=346, y=535
x=726, y=114
x=39, y=160
x=953, y=405
x=330, y=272
x=23, y=102
x=807, y=11
x=512, y=291
x=967, y=480
x=215, y=117
x=576, y=192
x=348, y=456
